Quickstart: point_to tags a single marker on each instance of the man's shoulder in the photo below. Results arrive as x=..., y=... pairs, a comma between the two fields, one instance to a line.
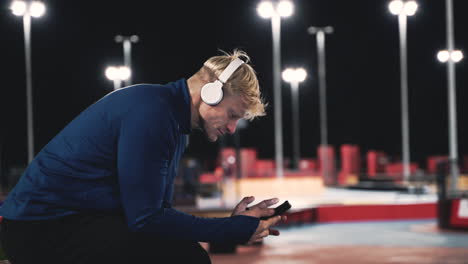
x=142, y=87
x=147, y=90
x=147, y=96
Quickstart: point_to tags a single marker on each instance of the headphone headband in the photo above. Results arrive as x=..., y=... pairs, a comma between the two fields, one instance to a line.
x=230, y=69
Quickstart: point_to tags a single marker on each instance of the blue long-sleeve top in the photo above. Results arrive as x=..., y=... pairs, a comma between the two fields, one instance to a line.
x=121, y=155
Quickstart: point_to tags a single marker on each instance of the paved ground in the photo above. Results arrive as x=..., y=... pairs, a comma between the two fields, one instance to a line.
x=415, y=242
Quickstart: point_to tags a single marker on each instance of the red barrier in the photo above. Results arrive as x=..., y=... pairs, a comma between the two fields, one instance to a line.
x=376, y=161
x=432, y=162
x=395, y=170
x=459, y=216
x=350, y=162
x=308, y=165
x=264, y=168
x=207, y=178
x=248, y=159
x=376, y=212
x=227, y=160
x=300, y=217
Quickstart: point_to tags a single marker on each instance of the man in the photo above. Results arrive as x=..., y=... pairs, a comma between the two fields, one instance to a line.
x=100, y=191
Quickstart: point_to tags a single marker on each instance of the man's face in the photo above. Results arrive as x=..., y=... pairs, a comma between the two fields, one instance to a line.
x=222, y=118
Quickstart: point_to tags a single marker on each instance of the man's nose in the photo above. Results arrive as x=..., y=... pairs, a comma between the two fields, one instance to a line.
x=232, y=126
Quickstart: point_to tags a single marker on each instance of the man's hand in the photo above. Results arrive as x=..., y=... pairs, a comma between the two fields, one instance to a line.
x=259, y=210
x=264, y=229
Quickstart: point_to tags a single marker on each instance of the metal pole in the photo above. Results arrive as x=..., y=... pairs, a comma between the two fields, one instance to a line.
x=127, y=51
x=452, y=98
x=127, y=48
x=322, y=86
x=117, y=84
x=404, y=98
x=276, y=33
x=320, y=38
x=323, y=98
x=295, y=119
x=29, y=95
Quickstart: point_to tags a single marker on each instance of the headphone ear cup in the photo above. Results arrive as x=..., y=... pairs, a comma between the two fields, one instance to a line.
x=212, y=93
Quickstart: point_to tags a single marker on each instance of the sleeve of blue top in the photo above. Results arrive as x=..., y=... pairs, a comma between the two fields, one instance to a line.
x=144, y=151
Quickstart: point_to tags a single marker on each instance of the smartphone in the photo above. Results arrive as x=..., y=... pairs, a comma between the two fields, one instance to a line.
x=281, y=209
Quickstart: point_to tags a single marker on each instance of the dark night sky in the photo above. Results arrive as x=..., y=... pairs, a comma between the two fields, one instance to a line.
x=74, y=43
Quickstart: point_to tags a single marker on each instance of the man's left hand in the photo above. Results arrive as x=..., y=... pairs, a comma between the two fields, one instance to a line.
x=242, y=206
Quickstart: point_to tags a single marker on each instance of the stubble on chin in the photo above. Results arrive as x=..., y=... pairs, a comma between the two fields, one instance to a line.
x=207, y=136
x=202, y=128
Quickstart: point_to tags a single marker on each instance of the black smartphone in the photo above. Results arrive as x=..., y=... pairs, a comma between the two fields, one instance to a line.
x=281, y=209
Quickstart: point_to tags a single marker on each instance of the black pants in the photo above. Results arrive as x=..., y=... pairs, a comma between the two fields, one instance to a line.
x=89, y=239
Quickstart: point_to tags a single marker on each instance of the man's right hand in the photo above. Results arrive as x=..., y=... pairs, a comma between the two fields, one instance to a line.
x=260, y=210
x=264, y=229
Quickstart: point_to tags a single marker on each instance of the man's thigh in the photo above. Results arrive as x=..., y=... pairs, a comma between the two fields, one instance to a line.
x=107, y=239
x=97, y=238
x=153, y=250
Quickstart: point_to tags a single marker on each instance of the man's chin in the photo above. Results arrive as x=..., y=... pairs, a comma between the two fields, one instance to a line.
x=202, y=127
x=211, y=139
x=208, y=137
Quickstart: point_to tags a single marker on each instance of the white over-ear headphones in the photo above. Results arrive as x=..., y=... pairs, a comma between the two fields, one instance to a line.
x=212, y=92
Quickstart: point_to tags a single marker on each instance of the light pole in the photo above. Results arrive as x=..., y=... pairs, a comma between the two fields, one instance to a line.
x=294, y=77
x=320, y=33
x=27, y=10
x=451, y=56
x=117, y=74
x=127, y=50
x=267, y=9
x=452, y=95
x=404, y=9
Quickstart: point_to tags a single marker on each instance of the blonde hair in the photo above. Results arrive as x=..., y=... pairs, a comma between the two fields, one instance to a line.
x=243, y=81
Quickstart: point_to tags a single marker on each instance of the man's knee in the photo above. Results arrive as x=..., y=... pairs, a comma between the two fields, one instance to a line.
x=196, y=253
x=150, y=246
